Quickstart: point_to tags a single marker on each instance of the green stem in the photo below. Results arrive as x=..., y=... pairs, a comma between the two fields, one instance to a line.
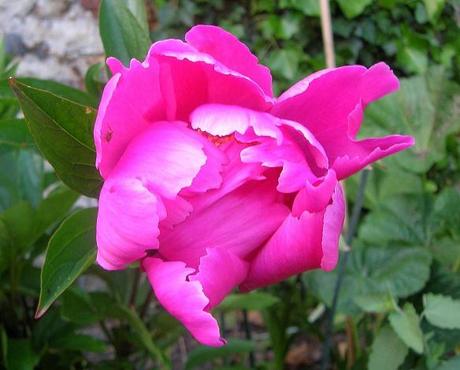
x=248, y=334
x=135, y=287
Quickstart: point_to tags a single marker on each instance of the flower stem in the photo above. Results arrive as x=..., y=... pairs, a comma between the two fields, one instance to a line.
x=248, y=334
x=355, y=216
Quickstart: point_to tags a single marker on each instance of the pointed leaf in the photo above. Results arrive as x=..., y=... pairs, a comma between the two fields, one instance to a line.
x=406, y=324
x=121, y=33
x=71, y=250
x=388, y=351
x=62, y=130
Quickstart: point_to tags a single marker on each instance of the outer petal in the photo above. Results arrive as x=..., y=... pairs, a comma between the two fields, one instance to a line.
x=282, y=143
x=229, y=51
x=190, y=78
x=219, y=272
x=237, y=222
x=130, y=102
x=143, y=188
x=127, y=222
x=331, y=104
x=183, y=298
x=301, y=243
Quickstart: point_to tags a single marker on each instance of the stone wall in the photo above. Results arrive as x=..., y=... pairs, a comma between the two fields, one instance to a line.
x=52, y=39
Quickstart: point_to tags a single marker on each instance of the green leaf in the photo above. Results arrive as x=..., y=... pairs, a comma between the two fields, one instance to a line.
x=76, y=307
x=434, y=8
x=30, y=175
x=80, y=342
x=383, y=184
x=62, y=130
x=54, y=87
x=61, y=90
x=5, y=246
x=445, y=220
x=399, y=271
x=284, y=62
x=400, y=220
x=307, y=7
x=388, y=351
x=54, y=208
x=442, y=311
x=19, y=220
x=142, y=332
x=406, y=324
x=452, y=364
x=14, y=135
x=353, y=8
x=137, y=8
x=121, y=33
x=414, y=59
x=21, y=178
x=25, y=224
x=202, y=355
x=95, y=80
x=376, y=302
x=424, y=107
x=71, y=250
x=20, y=355
x=248, y=301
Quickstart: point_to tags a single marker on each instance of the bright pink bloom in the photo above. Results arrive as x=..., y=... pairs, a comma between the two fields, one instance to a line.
x=213, y=183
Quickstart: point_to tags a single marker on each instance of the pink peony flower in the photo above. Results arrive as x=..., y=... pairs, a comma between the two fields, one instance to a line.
x=212, y=183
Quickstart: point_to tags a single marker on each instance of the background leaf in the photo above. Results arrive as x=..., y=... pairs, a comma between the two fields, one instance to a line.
x=406, y=324
x=248, y=301
x=442, y=311
x=202, y=354
x=388, y=351
x=71, y=250
x=20, y=355
x=123, y=36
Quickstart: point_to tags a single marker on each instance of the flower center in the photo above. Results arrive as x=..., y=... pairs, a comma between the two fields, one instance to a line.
x=217, y=140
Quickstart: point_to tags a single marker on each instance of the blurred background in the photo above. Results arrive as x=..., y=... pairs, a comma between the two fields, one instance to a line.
x=59, y=39
x=399, y=301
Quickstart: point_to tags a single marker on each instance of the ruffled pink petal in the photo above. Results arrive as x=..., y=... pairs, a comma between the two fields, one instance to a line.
x=143, y=189
x=167, y=157
x=231, y=52
x=330, y=104
x=177, y=210
x=361, y=153
x=127, y=222
x=183, y=298
x=190, y=78
x=130, y=102
x=234, y=174
x=301, y=243
x=314, y=198
x=237, y=222
x=219, y=272
x=283, y=143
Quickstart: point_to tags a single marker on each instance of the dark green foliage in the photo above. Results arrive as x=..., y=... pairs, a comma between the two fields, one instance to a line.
x=400, y=295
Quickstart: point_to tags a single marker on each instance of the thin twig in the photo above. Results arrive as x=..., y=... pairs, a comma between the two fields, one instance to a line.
x=106, y=332
x=355, y=215
x=326, y=30
x=248, y=334
x=145, y=305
